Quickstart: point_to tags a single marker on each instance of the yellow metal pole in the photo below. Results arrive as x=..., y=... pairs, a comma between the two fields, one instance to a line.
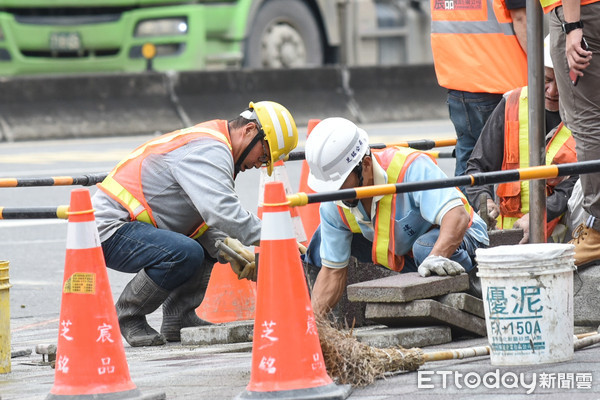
x=4, y=319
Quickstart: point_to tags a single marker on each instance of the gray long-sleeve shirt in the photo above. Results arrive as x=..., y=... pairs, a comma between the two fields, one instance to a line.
x=488, y=154
x=184, y=187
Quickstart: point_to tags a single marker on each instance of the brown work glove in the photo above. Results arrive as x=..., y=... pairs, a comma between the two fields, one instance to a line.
x=246, y=271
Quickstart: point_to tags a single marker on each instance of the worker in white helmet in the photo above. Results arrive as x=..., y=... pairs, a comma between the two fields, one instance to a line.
x=432, y=232
x=161, y=210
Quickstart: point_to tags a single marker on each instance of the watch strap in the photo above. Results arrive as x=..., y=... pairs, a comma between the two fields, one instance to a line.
x=567, y=27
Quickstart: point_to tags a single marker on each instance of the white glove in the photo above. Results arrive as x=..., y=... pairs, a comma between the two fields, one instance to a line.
x=440, y=266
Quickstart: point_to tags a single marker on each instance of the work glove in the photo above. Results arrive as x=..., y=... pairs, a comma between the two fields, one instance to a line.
x=301, y=248
x=246, y=271
x=439, y=266
x=523, y=223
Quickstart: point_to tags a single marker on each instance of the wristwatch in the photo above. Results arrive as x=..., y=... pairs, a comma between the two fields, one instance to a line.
x=570, y=26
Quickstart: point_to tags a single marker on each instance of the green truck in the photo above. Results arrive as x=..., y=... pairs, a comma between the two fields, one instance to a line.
x=91, y=36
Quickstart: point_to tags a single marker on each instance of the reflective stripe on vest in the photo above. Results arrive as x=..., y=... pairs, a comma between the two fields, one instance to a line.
x=123, y=184
x=472, y=42
x=395, y=161
x=473, y=18
x=514, y=196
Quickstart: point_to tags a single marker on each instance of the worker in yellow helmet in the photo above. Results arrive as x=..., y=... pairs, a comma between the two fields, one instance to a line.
x=154, y=210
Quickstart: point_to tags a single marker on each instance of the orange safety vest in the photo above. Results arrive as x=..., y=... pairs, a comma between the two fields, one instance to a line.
x=549, y=5
x=395, y=161
x=514, y=196
x=475, y=48
x=124, y=182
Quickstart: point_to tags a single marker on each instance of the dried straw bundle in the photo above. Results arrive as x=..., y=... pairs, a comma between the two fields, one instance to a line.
x=349, y=361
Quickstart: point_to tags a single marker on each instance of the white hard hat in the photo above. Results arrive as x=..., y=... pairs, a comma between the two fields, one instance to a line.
x=334, y=147
x=547, y=58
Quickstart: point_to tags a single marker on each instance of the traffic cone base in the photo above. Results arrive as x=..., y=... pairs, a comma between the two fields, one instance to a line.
x=327, y=392
x=90, y=357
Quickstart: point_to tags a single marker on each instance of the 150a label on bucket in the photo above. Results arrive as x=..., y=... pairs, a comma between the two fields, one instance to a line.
x=515, y=314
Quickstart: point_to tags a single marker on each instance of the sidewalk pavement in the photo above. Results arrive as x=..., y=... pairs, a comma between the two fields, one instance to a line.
x=223, y=372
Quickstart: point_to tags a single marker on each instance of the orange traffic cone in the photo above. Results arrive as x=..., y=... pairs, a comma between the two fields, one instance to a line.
x=287, y=361
x=227, y=298
x=90, y=359
x=310, y=212
x=280, y=175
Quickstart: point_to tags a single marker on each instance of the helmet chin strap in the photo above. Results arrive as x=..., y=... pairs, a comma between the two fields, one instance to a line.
x=238, y=165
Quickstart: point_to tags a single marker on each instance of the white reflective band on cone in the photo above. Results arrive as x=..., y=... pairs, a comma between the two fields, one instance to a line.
x=82, y=235
x=277, y=226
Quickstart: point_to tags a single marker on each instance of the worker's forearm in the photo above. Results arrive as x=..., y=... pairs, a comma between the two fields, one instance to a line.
x=452, y=230
x=572, y=10
x=328, y=289
x=519, y=17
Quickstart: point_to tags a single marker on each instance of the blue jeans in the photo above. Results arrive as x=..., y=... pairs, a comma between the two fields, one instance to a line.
x=469, y=113
x=169, y=258
x=361, y=249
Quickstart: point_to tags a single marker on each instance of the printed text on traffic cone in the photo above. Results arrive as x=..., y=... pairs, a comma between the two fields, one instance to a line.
x=90, y=360
x=287, y=361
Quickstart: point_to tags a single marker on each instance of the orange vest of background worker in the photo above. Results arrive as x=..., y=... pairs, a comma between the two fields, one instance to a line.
x=479, y=53
x=514, y=196
x=475, y=48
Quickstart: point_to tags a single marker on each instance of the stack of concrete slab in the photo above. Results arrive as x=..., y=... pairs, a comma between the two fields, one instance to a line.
x=409, y=300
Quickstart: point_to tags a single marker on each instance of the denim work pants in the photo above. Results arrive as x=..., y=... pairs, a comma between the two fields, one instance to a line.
x=169, y=258
x=469, y=113
x=361, y=249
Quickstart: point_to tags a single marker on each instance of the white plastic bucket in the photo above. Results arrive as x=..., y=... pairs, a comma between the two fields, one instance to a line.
x=527, y=293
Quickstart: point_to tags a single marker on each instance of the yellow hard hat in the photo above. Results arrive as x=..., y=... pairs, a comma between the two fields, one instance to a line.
x=279, y=127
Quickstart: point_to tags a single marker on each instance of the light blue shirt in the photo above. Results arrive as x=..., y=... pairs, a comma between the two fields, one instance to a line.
x=416, y=213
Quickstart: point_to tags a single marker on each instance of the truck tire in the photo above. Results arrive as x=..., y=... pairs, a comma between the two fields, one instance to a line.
x=284, y=34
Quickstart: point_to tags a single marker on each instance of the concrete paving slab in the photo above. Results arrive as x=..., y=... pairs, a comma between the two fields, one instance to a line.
x=230, y=332
x=405, y=337
x=501, y=237
x=423, y=313
x=464, y=302
x=406, y=287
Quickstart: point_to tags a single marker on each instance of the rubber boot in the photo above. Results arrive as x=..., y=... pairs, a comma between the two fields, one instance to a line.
x=140, y=297
x=179, y=309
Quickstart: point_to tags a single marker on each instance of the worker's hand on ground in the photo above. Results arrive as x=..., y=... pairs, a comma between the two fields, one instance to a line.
x=301, y=248
x=523, y=223
x=492, y=209
x=439, y=265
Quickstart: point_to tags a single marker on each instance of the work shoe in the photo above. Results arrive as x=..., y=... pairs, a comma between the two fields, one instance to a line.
x=140, y=297
x=179, y=309
x=587, y=245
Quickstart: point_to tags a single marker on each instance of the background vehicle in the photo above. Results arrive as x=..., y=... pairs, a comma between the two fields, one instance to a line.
x=71, y=36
